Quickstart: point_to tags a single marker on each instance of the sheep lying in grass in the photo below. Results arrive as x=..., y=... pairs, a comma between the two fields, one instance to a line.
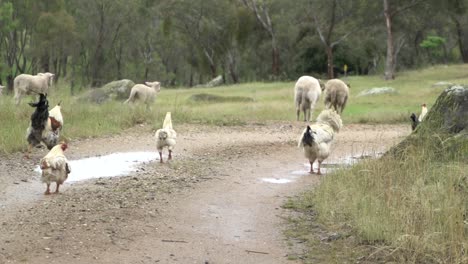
x=144, y=93
x=336, y=95
x=307, y=92
x=25, y=84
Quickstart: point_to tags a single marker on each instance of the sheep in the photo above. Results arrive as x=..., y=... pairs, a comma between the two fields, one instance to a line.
x=144, y=93
x=336, y=95
x=307, y=92
x=25, y=84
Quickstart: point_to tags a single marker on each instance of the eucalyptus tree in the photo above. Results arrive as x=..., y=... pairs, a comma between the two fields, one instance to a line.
x=206, y=27
x=7, y=25
x=334, y=21
x=331, y=23
x=54, y=38
x=100, y=23
x=260, y=8
x=457, y=11
x=391, y=9
x=18, y=21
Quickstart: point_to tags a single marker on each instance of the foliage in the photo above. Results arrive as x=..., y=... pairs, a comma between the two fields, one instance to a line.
x=185, y=43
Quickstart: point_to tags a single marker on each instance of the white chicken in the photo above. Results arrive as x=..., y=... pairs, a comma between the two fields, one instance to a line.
x=55, y=122
x=51, y=135
x=416, y=120
x=423, y=112
x=166, y=137
x=317, y=138
x=55, y=167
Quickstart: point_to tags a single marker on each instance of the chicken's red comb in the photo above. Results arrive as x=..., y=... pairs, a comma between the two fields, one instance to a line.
x=64, y=146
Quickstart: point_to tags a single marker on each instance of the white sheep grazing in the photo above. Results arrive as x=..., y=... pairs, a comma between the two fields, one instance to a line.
x=25, y=84
x=144, y=93
x=307, y=92
x=336, y=95
x=1, y=89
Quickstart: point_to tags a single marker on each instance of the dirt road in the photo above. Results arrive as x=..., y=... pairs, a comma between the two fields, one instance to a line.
x=218, y=201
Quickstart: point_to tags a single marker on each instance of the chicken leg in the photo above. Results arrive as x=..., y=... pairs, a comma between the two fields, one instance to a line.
x=160, y=157
x=311, y=167
x=47, y=192
x=170, y=154
x=318, y=172
x=57, y=188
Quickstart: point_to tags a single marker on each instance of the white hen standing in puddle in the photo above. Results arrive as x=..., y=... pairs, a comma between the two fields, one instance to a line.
x=166, y=137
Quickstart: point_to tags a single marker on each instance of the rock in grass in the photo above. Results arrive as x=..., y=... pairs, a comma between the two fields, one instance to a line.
x=212, y=98
x=377, y=91
x=442, y=83
x=116, y=90
x=444, y=130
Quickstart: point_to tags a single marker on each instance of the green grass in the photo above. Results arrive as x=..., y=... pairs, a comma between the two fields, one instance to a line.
x=415, y=207
x=266, y=101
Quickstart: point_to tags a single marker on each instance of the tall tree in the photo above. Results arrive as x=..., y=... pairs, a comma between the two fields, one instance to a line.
x=390, y=12
x=262, y=14
x=333, y=22
x=458, y=12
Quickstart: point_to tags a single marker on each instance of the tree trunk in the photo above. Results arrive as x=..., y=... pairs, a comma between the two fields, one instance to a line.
x=45, y=63
x=99, y=58
x=389, y=63
x=10, y=80
x=146, y=73
x=213, y=70
x=232, y=65
x=64, y=66
x=330, y=72
x=463, y=48
x=191, y=77
x=275, y=65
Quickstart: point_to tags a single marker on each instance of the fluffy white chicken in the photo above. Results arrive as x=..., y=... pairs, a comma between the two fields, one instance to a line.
x=317, y=138
x=166, y=137
x=55, y=167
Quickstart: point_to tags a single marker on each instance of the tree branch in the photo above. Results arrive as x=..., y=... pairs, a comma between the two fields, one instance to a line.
x=406, y=7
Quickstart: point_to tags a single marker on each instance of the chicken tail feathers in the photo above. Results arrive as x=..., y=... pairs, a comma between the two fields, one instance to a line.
x=307, y=137
x=67, y=168
x=167, y=121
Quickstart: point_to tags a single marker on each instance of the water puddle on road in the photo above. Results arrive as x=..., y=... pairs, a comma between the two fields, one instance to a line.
x=116, y=164
x=325, y=168
x=276, y=180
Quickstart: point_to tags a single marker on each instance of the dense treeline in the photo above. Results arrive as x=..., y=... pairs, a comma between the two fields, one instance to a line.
x=187, y=42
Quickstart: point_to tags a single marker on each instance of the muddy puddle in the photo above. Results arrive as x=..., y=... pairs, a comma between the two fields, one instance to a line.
x=113, y=165
x=327, y=167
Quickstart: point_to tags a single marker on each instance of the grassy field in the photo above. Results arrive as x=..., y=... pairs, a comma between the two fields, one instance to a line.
x=264, y=101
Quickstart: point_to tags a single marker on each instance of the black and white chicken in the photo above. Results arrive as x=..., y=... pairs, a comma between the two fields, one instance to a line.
x=317, y=138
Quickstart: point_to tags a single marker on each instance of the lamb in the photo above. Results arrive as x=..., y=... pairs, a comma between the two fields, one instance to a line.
x=25, y=84
x=144, y=93
x=336, y=95
x=307, y=92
